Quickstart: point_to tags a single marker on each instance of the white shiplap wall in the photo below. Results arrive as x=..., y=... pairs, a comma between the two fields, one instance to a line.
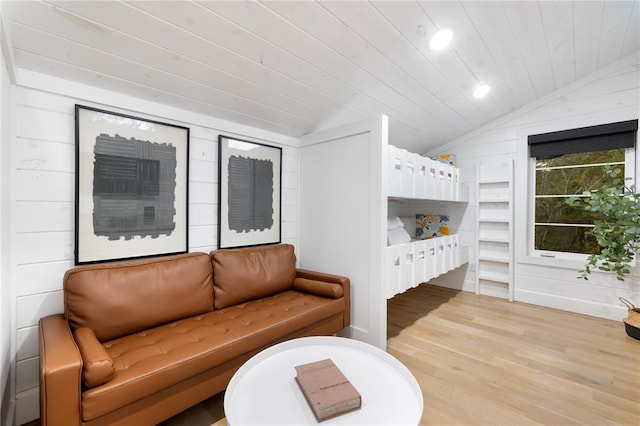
x=44, y=202
x=6, y=295
x=612, y=94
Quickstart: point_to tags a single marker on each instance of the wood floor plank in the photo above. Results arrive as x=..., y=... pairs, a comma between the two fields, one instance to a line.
x=527, y=364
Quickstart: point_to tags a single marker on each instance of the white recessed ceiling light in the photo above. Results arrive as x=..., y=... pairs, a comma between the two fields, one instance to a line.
x=440, y=40
x=481, y=91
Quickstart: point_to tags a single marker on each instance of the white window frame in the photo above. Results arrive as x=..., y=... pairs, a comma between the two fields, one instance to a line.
x=629, y=167
x=525, y=178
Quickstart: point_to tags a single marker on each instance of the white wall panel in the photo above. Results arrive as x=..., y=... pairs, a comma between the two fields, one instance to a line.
x=579, y=290
x=27, y=343
x=289, y=215
x=457, y=279
x=27, y=374
x=203, y=171
x=35, y=122
x=43, y=247
x=289, y=178
x=202, y=214
x=44, y=166
x=45, y=186
x=29, y=309
x=201, y=148
x=41, y=277
x=289, y=232
x=202, y=236
x=343, y=214
x=612, y=94
x=36, y=154
x=574, y=108
x=290, y=163
x=7, y=284
x=45, y=216
x=618, y=81
x=27, y=406
x=289, y=196
x=203, y=193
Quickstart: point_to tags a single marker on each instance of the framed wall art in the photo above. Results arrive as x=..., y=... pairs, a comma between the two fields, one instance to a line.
x=131, y=187
x=249, y=179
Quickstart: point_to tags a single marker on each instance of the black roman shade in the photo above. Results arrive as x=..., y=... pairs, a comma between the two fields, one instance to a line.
x=622, y=134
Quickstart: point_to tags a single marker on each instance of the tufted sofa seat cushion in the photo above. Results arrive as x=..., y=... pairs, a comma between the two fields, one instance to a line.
x=165, y=355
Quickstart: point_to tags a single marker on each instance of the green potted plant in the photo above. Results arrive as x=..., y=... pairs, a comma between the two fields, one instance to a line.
x=617, y=226
x=617, y=232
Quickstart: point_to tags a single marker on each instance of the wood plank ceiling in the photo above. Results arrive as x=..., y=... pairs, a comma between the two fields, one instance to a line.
x=297, y=66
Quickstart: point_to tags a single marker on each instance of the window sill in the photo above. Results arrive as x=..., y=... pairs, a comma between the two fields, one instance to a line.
x=565, y=262
x=570, y=262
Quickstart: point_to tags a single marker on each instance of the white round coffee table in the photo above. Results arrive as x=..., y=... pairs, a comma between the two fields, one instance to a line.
x=264, y=390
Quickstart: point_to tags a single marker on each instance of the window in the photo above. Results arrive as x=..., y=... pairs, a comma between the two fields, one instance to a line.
x=566, y=164
x=557, y=226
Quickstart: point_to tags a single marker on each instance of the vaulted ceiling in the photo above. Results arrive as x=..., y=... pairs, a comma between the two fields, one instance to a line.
x=297, y=66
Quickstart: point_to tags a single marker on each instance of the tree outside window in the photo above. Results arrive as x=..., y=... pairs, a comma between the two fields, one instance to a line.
x=558, y=226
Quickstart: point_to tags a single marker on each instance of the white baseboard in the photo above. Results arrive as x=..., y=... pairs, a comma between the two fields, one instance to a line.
x=586, y=307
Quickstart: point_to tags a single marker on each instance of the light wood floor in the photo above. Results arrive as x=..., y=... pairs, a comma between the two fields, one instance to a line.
x=485, y=361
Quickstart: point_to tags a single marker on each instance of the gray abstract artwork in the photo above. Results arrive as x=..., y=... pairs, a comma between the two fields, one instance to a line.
x=134, y=185
x=250, y=195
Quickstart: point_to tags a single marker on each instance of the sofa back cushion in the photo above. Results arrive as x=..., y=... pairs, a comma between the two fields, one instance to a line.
x=117, y=299
x=240, y=275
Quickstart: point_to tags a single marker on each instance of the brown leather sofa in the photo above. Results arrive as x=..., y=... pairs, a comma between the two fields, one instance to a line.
x=141, y=341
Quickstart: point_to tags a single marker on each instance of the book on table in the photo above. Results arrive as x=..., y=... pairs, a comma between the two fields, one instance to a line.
x=326, y=389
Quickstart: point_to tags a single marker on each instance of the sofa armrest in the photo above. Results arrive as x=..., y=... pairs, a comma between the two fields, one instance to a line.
x=319, y=288
x=60, y=373
x=334, y=279
x=97, y=365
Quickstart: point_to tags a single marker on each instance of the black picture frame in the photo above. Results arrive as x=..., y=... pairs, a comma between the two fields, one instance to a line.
x=249, y=193
x=131, y=194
